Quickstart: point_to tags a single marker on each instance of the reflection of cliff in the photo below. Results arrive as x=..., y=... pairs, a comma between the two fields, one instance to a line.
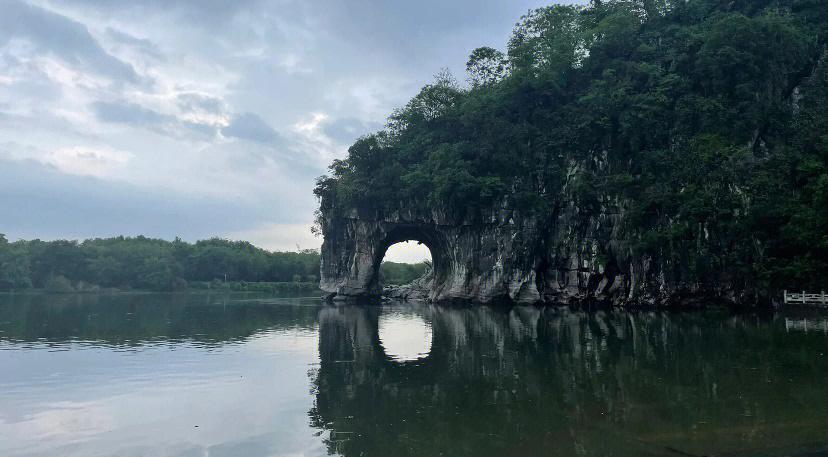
x=127, y=319
x=528, y=381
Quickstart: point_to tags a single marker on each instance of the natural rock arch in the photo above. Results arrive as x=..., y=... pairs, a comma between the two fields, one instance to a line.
x=399, y=233
x=353, y=251
x=471, y=262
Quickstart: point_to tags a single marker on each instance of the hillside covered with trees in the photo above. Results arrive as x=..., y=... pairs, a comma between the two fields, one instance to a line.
x=705, y=121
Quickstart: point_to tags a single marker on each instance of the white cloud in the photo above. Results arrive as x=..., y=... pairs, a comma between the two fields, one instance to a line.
x=407, y=252
x=279, y=237
x=293, y=64
x=81, y=160
x=310, y=124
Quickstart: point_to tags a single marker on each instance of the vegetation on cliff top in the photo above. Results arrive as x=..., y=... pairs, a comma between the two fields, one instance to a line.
x=707, y=119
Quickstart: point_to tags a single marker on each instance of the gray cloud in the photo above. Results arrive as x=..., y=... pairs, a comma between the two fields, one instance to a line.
x=205, y=12
x=251, y=127
x=61, y=36
x=129, y=113
x=346, y=130
x=145, y=46
x=39, y=201
x=203, y=130
x=135, y=115
x=194, y=101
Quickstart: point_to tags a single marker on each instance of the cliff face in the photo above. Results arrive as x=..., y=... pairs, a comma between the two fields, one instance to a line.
x=475, y=262
x=575, y=255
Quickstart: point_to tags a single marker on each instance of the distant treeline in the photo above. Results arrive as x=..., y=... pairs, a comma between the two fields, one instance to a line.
x=153, y=264
x=402, y=273
x=146, y=263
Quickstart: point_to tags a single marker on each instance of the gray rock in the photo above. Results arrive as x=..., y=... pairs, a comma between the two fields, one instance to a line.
x=419, y=289
x=574, y=255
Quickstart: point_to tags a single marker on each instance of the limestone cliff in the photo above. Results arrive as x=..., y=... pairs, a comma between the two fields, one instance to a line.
x=572, y=256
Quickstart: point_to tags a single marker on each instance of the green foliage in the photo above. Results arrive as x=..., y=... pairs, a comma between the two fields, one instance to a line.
x=486, y=66
x=548, y=43
x=58, y=284
x=307, y=287
x=402, y=273
x=14, y=266
x=146, y=263
x=706, y=118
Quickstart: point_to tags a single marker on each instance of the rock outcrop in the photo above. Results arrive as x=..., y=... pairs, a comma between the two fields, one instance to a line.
x=575, y=256
x=418, y=289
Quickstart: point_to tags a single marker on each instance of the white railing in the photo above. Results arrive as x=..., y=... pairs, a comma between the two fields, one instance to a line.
x=806, y=298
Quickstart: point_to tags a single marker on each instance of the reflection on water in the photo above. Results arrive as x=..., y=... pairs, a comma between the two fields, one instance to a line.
x=805, y=324
x=202, y=375
x=531, y=381
x=156, y=375
x=404, y=332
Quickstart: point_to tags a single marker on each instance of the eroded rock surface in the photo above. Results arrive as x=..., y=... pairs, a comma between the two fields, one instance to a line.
x=573, y=257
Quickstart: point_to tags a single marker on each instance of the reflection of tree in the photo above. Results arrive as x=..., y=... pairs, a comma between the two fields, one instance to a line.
x=528, y=381
x=133, y=319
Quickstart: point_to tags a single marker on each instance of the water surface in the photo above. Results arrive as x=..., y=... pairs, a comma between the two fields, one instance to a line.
x=245, y=375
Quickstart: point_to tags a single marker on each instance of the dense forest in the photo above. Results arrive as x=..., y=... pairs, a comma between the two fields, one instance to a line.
x=153, y=264
x=402, y=273
x=146, y=263
x=706, y=119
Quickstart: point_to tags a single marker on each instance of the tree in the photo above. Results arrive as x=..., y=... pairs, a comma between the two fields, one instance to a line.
x=145, y=263
x=486, y=66
x=14, y=266
x=548, y=42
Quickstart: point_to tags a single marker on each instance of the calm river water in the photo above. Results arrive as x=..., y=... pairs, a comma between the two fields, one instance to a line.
x=238, y=376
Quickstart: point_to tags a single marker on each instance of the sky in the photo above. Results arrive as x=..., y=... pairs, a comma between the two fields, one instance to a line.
x=202, y=118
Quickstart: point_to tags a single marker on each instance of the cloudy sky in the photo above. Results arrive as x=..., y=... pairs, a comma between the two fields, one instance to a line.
x=199, y=118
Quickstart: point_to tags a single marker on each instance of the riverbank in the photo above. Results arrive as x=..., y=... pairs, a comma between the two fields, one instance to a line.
x=192, y=286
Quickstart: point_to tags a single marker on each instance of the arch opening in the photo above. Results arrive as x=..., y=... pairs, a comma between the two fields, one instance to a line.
x=407, y=263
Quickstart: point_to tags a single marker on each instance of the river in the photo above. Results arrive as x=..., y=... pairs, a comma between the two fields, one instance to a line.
x=245, y=375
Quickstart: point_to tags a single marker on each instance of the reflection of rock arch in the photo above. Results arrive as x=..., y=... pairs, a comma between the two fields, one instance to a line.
x=361, y=391
x=350, y=335
x=530, y=381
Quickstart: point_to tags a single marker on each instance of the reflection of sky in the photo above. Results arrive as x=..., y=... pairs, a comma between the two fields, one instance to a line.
x=249, y=398
x=404, y=335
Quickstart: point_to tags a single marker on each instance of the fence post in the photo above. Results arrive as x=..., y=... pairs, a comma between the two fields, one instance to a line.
x=785, y=297
x=803, y=297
